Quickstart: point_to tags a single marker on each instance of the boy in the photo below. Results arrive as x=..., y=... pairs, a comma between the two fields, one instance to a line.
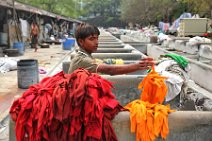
x=87, y=38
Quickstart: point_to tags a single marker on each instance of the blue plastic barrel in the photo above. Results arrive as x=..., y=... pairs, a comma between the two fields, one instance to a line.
x=27, y=73
x=68, y=43
x=19, y=46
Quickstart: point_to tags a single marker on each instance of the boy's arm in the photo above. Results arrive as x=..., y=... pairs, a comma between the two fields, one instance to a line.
x=143, y=64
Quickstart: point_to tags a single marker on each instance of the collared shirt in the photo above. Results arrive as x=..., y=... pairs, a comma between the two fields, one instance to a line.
x=82, y=59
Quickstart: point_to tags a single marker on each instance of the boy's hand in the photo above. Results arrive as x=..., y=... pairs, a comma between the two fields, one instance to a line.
x=146, y=63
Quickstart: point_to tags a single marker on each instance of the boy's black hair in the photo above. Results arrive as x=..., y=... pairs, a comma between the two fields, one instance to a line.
x=85, y=30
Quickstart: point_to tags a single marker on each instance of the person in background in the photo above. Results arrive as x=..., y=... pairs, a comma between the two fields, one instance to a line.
x=47, y=31
x=87, y=39
x=34, y=35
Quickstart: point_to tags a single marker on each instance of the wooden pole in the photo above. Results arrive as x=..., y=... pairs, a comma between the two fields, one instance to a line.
x=13, y=10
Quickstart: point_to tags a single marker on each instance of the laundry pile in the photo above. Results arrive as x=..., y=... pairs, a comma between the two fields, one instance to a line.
x=7, y=64
x=175, y=68
x=77, y=106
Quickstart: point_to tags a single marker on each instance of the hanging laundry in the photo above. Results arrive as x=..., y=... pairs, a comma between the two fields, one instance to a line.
x=153, y=87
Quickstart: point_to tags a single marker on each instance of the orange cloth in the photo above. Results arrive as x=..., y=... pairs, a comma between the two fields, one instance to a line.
x=148, y=120
x=153, y=87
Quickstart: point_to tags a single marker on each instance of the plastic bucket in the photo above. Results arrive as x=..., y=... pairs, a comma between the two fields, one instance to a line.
x=68, y=44
x=27, y=73
x=19, y=46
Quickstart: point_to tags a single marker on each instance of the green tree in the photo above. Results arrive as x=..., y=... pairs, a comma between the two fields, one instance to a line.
x=96, y=7
x=201, y=7
x=104, y=13
x=149, y=11
x=62, y=7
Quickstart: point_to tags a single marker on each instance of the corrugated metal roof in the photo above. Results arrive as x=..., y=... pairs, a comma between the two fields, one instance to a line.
x=6, y=3
x=28, y=8
x=25, y=7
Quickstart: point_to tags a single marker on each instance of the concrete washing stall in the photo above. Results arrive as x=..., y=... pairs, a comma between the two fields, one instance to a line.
x=127, y=58
x=106, y=40
x=111, y=46
x=186, y=125
x=125, y=49
x=200, y=72
x=110, y=43
x=183, y=125
x=65, y=67
x=114, y=50
x=141, y=46
x=124, y=56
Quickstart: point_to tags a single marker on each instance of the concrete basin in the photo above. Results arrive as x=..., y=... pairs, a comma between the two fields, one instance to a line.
x=205, y=51
x=109, y=43
x=66, y=64
x=124, y=56
x=133, y=55
x=180, y=45
x=126, y=49
x=200, y=72
x=141, y=46
x=111, y=46
x=125, y=87
x=113, y=42
x=183, y=126
x=171, y=43
x=192, y=97
x=114, y=50
x=108, y=40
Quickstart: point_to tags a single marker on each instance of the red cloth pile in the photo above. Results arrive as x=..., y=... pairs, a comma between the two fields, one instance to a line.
x=66, y=107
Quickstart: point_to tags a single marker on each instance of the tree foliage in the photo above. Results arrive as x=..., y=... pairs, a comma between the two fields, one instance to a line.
x=146, y=11
x=62, y=7
x=102, y=7
x=136, y=11
x=201, y=7
x=103, y=13
x=152, y=11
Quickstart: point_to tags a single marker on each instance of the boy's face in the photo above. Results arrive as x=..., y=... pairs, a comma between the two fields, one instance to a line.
x=89, y=44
